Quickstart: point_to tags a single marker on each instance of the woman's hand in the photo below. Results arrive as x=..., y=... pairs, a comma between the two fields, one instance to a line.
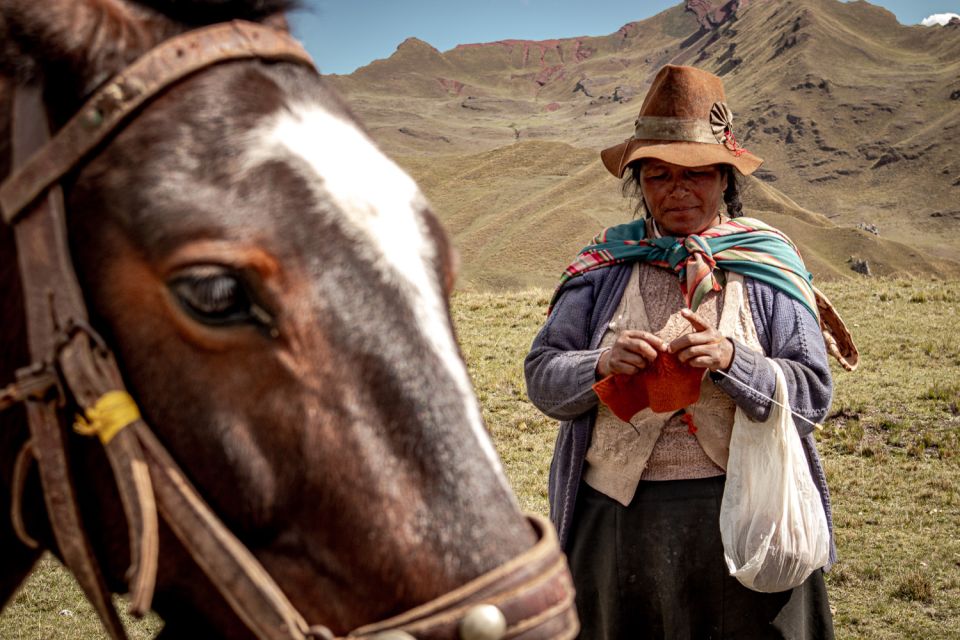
x=632, y=351
x=706, y=348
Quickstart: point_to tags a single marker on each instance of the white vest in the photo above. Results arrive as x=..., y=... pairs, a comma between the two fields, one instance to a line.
x=619, y=452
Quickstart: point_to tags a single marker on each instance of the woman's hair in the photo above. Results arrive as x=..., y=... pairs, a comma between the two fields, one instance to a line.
x=731, y=196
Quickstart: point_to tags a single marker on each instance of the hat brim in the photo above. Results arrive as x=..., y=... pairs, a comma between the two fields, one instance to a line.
x=685, y=154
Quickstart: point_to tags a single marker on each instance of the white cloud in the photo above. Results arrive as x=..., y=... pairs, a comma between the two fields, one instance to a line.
x=938, y=19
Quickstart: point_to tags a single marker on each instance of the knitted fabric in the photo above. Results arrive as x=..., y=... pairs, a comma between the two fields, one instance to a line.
x=620, y=452
x=665, y=385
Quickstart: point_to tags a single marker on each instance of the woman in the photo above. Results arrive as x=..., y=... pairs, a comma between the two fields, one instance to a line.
x=637, y=503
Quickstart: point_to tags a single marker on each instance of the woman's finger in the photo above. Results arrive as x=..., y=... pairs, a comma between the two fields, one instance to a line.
x=688, y=340
x=620, y=367
x=702, y=362
x=640, y=347
x=653, y=340
x=712, y=356
x=629, y=358
x=697, y=351
x=698, y=323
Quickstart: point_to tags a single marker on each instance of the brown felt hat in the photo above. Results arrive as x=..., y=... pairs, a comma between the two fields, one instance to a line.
x=684, y=120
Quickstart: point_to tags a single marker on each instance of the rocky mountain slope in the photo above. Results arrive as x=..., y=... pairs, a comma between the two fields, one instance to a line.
x=857, y=118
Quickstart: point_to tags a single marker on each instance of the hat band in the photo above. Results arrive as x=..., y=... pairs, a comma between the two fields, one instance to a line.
x=675, y=129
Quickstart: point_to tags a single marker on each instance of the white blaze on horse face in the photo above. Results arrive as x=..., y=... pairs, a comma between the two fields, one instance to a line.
x=384, y=210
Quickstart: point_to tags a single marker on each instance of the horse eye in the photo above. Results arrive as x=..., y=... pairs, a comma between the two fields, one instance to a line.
x=216, y=296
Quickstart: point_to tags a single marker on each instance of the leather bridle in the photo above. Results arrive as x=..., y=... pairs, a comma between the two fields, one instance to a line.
x=72, y=366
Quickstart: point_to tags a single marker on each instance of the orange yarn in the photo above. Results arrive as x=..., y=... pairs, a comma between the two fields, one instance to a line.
x=665, y=385
x=688, y=420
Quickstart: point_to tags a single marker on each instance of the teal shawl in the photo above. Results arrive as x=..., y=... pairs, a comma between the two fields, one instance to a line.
x=742, y=245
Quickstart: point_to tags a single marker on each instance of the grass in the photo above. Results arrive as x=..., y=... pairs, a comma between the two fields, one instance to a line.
x=890, y=446
x=51, y=606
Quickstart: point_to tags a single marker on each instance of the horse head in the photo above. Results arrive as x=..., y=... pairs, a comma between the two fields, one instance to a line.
x=275, y=290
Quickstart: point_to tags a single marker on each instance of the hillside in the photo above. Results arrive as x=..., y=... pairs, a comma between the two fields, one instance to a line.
x=855, y=115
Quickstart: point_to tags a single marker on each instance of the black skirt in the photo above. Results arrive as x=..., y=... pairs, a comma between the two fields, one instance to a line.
x=655, y=569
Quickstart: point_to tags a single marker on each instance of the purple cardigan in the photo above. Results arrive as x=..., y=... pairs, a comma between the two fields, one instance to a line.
x=560, y=374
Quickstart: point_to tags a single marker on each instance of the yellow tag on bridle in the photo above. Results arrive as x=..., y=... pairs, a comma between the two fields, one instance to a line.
x=114, y=411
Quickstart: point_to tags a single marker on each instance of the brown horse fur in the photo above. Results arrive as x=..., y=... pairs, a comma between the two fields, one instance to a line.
x=324, y=428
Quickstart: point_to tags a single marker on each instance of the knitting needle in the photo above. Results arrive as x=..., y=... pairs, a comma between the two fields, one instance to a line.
x=816, y=425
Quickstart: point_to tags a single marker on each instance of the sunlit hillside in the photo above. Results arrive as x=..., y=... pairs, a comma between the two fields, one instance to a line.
x=856, y=117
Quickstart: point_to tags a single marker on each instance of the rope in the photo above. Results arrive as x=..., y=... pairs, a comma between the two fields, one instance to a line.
x=114, y=411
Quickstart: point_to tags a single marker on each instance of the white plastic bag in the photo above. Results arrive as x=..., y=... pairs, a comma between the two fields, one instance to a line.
x=772, y=523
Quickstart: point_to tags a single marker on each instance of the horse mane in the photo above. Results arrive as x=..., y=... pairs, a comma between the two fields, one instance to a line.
x=202, y=12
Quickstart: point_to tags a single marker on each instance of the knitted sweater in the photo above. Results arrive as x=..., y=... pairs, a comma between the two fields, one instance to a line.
x=560, y=372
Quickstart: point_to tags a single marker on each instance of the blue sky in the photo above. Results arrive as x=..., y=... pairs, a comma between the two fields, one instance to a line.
x=345, y=34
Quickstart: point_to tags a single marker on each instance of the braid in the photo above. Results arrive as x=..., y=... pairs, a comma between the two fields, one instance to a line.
x=731, y=196
x=630, y=188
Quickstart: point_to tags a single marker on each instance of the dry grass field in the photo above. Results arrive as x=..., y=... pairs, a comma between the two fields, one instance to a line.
x=891, y=447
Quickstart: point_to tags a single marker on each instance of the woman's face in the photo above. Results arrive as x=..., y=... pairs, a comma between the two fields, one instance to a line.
x=683, y=200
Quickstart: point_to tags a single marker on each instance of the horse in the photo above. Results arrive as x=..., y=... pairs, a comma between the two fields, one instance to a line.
x=275, y=292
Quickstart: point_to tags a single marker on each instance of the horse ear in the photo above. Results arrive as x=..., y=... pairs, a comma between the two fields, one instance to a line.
x=277, y=21
x=78, y=45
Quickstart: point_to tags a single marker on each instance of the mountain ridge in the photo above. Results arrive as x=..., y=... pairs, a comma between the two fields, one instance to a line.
x=852, y=112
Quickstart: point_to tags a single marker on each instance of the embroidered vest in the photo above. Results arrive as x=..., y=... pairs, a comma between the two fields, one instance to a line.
x=619, y=452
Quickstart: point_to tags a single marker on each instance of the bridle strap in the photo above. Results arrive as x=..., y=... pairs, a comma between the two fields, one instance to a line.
x=52, y=301
x=239, y=577
x=534, y=592
x=152, y=73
